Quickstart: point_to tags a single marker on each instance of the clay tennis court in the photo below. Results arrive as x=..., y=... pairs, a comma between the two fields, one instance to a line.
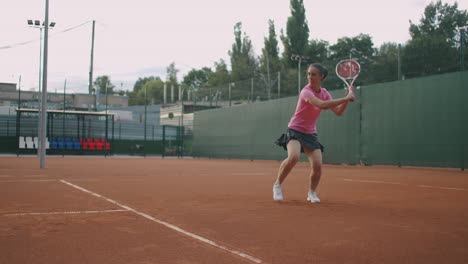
x=152, y=210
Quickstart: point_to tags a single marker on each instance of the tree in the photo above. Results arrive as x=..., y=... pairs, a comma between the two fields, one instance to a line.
x=171, y=79
x=317, y=51
x=359, y=48
x=427, y=55
x=385, y=64
x=103, y=82
x=440, y=20
x=220, y=75
x=136, y=97
x=196, y=78
x=141, y=82
x=243, y=61
x=217, y=81
x=269, y=60
x=297, y=33
x=154, y=93
x=434, y=43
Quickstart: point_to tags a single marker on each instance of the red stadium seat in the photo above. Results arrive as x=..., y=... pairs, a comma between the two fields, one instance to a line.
x=85, y=145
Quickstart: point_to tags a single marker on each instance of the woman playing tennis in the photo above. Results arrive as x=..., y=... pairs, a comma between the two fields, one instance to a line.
x=302, y=135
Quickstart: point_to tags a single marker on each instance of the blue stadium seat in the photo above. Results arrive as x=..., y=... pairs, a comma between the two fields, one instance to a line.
x=61, y=145
x=76, y=145
x=69, y=145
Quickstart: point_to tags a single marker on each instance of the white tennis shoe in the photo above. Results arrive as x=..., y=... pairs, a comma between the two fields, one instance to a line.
x=312, y=197
x=277, y=193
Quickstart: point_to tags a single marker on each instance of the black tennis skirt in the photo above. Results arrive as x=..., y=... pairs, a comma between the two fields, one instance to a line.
x=308, y=140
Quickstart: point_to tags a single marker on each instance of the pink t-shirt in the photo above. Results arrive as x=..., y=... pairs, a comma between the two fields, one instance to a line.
x=305, y=118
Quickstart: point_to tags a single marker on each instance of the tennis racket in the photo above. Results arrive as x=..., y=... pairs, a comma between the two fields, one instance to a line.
x=348, y=71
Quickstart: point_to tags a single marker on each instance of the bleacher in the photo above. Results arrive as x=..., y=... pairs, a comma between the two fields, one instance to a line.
x=60, y=145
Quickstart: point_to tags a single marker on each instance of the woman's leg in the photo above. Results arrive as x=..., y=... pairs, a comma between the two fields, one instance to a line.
x=294, y=152
x=315, y=159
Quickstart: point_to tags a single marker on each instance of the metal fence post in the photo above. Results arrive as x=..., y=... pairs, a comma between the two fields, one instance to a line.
x=252, y=89
x=164, y=141
x=279, y=84
x=229, y=94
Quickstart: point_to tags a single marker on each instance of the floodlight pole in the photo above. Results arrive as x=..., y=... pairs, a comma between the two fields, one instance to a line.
x=40, y=26
x=107, y=126
x=146, y=102
x=90, y=89
x=42, y=156
x=299, y=59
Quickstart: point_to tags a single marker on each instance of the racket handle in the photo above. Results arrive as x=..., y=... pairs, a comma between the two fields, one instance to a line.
x=348, y=90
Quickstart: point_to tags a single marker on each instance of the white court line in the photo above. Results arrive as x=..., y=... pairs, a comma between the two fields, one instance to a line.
x=76, y=212
x=28, y=180
x=397, y=183
x=248, y=173
x=5, y=176
x=173, y=227
x=114, y=180
x=446, y=188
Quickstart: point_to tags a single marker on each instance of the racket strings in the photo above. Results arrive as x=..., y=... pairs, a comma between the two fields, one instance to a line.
x=348, y=70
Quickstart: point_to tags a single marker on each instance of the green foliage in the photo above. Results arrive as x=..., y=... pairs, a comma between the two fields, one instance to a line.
x=269, y=60
x=171, y=80
x=440, y=21
x=220, y=76
x=102, y=83
x=137, y=96
x=152, y=91
x=359, y=48
x=243, y=61
x=297, y=33
x=141, y=82
x=434, y=48
x=426, y=55
x=317, y=50
x=196, y=78
x=385, y=64
x=435, y=42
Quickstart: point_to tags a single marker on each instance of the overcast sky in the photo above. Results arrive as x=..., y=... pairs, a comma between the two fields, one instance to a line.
x=140, y=38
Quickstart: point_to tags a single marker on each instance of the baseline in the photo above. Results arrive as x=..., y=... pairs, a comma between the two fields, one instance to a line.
x=71, y=212
x=397, y=183
x=173, y=227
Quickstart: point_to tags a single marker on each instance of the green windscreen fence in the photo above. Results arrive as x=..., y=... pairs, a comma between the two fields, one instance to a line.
x=417, y=122
x=420, y=122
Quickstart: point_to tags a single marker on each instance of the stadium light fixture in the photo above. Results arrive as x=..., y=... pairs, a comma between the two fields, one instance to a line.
x=300, y=59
